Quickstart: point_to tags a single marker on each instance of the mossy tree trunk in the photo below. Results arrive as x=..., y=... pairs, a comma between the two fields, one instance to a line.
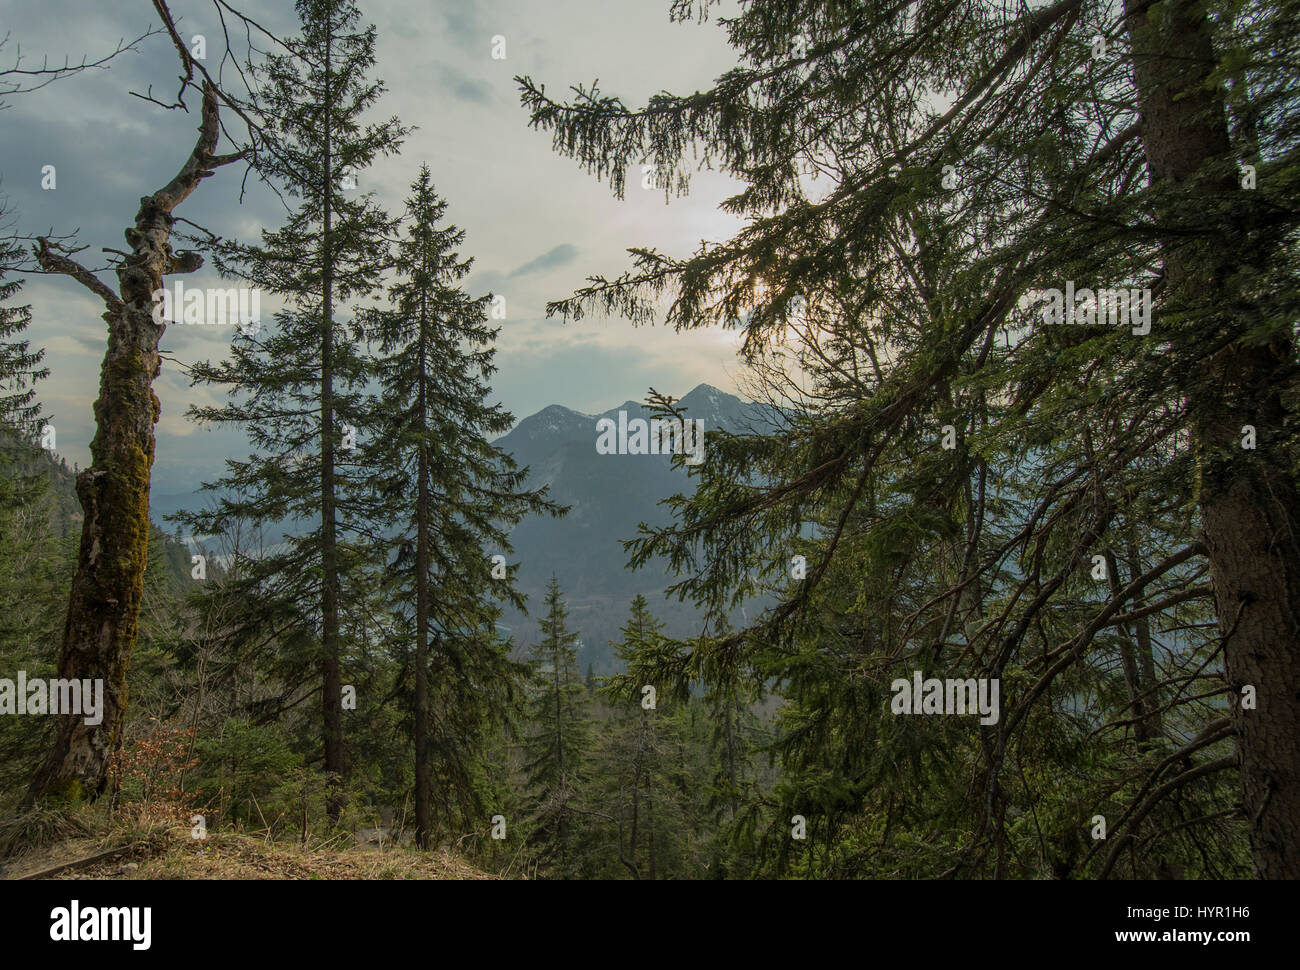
x=1249, y=501
x=104, y=605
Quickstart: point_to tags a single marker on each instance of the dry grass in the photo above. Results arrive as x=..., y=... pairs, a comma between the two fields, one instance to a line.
x=229, y=856
x=172, y=854
x=38, y=827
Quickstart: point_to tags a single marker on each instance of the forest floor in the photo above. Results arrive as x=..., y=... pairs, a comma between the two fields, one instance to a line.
x=231, y=855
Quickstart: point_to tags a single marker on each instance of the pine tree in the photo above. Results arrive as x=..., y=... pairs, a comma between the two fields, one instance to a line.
x=734, y=738
x=556, y=748
x=20, y=370
x=34, y=560
x=913, y=178
x=451, y=498
x=634, y=758
x=299, y=385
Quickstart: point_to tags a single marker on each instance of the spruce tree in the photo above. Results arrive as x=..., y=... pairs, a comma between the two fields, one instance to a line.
x=555, y=750
x=915, y=177
x=298, y=385
x=636, y=756
x=20, y=370
x=450, y=499
x=34, y=560
x=735, y=737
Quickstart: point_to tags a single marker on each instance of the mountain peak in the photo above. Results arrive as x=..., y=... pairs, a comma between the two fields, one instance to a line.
x=706, y=387
x=707, y=392
x=555, y=423
x=609, y=496
x=550, y=420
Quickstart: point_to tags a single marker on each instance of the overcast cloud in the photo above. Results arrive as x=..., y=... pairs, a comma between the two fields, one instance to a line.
x=535, y=224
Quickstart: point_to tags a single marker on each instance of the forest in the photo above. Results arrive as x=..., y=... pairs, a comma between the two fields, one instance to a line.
x=998, y=578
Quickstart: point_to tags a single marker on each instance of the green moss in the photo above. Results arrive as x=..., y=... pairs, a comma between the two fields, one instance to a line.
x=65, y=792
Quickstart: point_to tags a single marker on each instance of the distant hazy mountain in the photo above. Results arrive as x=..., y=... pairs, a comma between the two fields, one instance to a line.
x=609, y=496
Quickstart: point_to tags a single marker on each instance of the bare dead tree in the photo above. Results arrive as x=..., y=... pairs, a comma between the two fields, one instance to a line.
x=17, y=79
x=104, y=604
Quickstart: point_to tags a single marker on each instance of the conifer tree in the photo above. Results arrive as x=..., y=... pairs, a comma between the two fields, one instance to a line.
x=555, y=750
x=33, y=562
x=734, y=737
x=914, y=176
x=633, y=760
x=298, y=385
x=20, y=370
x=450, y=498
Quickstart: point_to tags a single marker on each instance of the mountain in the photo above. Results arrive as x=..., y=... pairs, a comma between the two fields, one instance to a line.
x=609, y=495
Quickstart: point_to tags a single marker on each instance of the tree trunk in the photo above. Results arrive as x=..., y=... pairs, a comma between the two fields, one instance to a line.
x=559, y=755
x=649, y=794
x=422, y=812
x=1248, y=499
x=104, y=604
x=1152, y=725
x=331, y=675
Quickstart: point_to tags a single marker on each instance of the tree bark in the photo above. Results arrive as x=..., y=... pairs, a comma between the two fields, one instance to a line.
x=104, y=603
x=1248, y=499
x=559, y=754
x=423, y=816
x=1152, y=724
x=649, y=794
x=331, y=674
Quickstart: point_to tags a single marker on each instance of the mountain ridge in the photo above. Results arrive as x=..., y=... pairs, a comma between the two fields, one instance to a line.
x=609, y=496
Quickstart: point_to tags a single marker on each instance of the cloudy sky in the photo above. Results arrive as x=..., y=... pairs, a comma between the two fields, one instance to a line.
x=536, y=224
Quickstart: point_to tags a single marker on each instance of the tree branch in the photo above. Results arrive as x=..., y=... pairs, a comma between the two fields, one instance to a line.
x=53, y=261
